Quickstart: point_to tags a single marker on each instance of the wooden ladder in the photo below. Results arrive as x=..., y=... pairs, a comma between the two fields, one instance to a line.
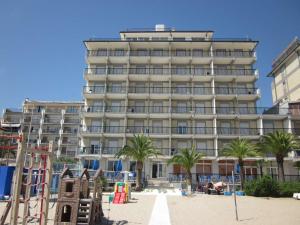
x=5, y=213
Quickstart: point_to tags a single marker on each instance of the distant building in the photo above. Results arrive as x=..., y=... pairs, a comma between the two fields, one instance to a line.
x=286, y=74
x=44, y=121
x=11, y=121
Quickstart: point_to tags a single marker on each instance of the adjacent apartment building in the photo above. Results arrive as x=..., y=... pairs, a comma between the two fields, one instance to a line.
x=286, y=74
x=43, y=121
x=180, y=88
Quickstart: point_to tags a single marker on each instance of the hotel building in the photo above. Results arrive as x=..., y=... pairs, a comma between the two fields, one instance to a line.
x=180, y=88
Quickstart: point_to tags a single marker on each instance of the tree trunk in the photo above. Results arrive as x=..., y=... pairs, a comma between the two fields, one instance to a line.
x=242, y=173
x=261, y=170
x=139, y=169
x=280, y=168
x=189, y=178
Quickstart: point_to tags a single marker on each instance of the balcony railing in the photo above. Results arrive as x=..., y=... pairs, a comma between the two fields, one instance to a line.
x=166, y=53
x=273, y=130
x=233, y=53
x=115, y=109
x=114, y=129
x=237, y=131
x=235, y=91
x=93, y=129
x=148, y=109
x=235, y=72
x=90, y=150
x=147, y=130
x=110, y=150
x=169, y=71
x=207, y=152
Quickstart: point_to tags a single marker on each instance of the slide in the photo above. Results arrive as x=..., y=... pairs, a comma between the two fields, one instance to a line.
x=117, y=198
x=122, y=198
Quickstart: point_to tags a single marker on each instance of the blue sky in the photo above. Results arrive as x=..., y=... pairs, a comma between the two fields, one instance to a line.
x=42, y=54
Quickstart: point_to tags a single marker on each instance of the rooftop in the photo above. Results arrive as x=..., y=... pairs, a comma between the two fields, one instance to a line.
x=282, y=57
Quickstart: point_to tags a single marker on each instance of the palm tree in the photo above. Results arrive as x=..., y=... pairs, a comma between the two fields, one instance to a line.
x=186, y=158
x=240, y=149
x=279, y=144
x=139, y=148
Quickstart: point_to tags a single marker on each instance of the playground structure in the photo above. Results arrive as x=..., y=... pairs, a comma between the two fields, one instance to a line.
x=121, y=193
x=75, y=204
x=29, y=159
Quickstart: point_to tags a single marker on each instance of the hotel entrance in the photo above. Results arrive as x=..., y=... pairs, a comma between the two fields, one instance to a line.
x=158, y=170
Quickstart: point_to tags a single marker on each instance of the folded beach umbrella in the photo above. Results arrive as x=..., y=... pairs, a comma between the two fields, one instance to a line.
x=119, y=165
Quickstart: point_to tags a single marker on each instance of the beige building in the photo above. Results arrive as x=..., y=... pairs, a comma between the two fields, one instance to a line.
x=44, y=121
x=286, y=74
x=180, y=88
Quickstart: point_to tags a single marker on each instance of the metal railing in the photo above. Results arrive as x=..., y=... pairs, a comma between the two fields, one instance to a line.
x=237, y=131
x=166, y=53
x=202, y=71
x=235, y=91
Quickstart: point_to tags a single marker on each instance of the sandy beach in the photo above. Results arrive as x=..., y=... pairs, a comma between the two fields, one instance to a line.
x=199, y=209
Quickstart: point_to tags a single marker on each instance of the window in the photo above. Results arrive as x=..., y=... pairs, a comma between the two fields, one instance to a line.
x=112, y=165
x=244, y=128
x=200, y=127
x=115, y=106
x=157, y=107
x=132, y=166
x=197, y=52
x=225, y=128
x=182, y=107
x=69, y=186
x=204, y=167
x=119, y=52
x=157, y=127
x=141, y=69
x=226, y=167
x=182, y=128
x=200, y=108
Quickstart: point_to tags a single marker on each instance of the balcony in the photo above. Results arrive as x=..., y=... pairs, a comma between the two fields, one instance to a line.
x=235, y=91
x=93, y=129
x=203, y=130
x=68, y=130
x=147, y=130
x=94, y=89
x=207, y=152
x=235, y=54
x=115, y=109
x=182, y=71
x=234, y=72
x=114, y=129
x=110, y=150
x=228, y=131
x=182, y=130
x=148, y=109
x=51, y=131
x=90, y=151
x=273, y=130
x=72, y=121
x=116, y=89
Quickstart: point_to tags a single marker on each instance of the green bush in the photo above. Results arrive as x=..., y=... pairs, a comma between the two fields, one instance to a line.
x=263, y=187
x=288, y=188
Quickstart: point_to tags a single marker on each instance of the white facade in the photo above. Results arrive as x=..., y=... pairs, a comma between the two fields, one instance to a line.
x=180, y=88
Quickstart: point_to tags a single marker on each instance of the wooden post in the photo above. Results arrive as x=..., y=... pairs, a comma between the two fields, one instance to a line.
x=48, y=174
x=17, y=184
x=27, y=192
x=234, y=195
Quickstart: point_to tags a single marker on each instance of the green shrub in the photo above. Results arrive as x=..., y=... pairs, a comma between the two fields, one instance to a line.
x=263, y=187
x=288, y=188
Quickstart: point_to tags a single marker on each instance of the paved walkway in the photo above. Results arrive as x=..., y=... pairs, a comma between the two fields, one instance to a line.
x=160, y=212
